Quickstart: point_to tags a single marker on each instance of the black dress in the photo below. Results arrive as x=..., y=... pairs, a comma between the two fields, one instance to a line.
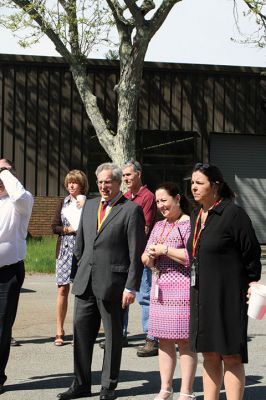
x=228, y=258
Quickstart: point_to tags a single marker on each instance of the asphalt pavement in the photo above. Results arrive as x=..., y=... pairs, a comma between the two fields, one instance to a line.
x=38, y=370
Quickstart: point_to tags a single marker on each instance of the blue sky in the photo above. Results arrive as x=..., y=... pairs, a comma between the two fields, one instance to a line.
x=196, y=31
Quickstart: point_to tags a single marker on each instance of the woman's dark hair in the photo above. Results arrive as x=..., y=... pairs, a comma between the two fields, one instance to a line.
x=173, y=190
x=215, y=177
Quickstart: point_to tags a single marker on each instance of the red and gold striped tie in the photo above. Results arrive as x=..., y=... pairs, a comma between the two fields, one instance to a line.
x=103, y=210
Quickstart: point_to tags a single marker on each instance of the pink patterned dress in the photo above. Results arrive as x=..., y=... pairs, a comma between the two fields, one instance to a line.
x=169, y=309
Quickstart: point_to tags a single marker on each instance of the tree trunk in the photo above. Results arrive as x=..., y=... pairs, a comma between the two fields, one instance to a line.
x=131, y=67
x=105, y=136
x=121, y=145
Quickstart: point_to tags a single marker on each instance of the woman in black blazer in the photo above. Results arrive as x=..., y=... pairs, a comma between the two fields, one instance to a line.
x=225, y=259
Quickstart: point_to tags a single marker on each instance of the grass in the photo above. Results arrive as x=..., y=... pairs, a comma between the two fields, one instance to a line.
x=40, y=256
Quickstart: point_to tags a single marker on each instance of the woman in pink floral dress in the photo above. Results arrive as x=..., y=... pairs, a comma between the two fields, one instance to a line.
x=166, y=255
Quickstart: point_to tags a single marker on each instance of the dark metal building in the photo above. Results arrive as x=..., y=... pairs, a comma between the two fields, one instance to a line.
x=186, y=113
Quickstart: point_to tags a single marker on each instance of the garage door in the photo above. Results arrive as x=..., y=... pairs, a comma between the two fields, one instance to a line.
x=242, y=159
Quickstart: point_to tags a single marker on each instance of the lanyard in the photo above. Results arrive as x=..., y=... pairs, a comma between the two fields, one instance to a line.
x=107, y=211
x=196, y=235
x=163, y=239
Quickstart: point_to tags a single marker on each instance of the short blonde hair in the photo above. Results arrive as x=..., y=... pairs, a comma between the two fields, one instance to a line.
x=77, y=176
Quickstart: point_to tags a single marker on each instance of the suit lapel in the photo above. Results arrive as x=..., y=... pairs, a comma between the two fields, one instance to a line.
x=92, y=217
x=113, y=213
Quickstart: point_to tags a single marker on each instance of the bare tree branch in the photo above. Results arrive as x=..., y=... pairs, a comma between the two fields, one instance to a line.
x=71, y=11
x=136, y=12
x=124, y=28
x=160, y=16
x=37, y=17
x=63, y=4
x=117, y=12
x=147, y=6
x=254, y=9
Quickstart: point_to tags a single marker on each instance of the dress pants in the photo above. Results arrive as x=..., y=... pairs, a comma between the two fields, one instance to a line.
x=11, y=280
x=88, y=313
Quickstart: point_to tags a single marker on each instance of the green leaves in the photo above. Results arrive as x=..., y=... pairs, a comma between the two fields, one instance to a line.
x=79, y=24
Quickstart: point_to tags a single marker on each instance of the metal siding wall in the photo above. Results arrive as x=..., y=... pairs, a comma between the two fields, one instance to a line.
x=143, y=104
x=30, y=128
x=187, y=104
x=7, y=94
x=154, y=102
x=45, y=129
x=176, y=98
x=243, y=163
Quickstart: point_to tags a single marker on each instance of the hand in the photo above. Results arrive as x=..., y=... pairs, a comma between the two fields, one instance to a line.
x=249, y=289
x=69, y=230
x=127, y=299
x=80, y=203
x=156, y=250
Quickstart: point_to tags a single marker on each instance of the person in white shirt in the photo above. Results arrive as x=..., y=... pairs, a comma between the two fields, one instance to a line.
x=15, y=211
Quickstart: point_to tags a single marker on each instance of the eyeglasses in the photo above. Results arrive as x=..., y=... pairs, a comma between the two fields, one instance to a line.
x=107, y=183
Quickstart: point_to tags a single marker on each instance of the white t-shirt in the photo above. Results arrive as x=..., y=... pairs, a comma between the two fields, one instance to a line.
x=15, y=212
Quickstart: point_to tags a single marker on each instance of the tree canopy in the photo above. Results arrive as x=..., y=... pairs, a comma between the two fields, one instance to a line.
x=75, y=27
x=255, y=9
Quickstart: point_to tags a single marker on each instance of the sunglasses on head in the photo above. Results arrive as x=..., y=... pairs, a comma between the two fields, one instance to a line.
x=201, y=166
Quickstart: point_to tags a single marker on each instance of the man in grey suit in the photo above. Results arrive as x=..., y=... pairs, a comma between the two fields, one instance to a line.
x=108, y=248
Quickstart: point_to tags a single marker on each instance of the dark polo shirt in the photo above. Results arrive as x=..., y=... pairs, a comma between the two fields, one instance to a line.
x=146, y=199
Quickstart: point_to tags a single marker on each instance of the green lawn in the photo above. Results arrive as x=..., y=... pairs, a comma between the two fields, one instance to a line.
x=41, y=255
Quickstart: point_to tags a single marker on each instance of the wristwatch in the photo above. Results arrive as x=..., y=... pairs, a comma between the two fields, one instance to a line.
x=3, y=169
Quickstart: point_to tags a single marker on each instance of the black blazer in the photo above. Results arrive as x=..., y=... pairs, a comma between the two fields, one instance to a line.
x=111, y=258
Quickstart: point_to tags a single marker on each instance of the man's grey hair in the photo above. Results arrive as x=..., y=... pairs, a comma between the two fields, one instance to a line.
x=133, y=163
x=116, y=171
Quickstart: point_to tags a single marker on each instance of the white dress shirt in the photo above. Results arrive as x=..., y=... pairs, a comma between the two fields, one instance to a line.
x=15, y=211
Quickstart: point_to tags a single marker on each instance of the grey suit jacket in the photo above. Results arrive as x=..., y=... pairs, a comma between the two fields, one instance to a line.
x=111, y=258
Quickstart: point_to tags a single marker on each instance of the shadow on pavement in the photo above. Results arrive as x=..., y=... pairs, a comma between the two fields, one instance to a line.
x=255, y=393
x=146, y=387
x=23, y=290
x=62, y=382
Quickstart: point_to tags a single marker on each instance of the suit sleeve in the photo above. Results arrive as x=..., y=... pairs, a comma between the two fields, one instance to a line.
x=247, y=242
x=136, y=244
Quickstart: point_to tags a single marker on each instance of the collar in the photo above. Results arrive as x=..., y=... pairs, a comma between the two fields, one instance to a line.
x=132, y=196
x=67, y=199
x=216, y=210
x=113, y=200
